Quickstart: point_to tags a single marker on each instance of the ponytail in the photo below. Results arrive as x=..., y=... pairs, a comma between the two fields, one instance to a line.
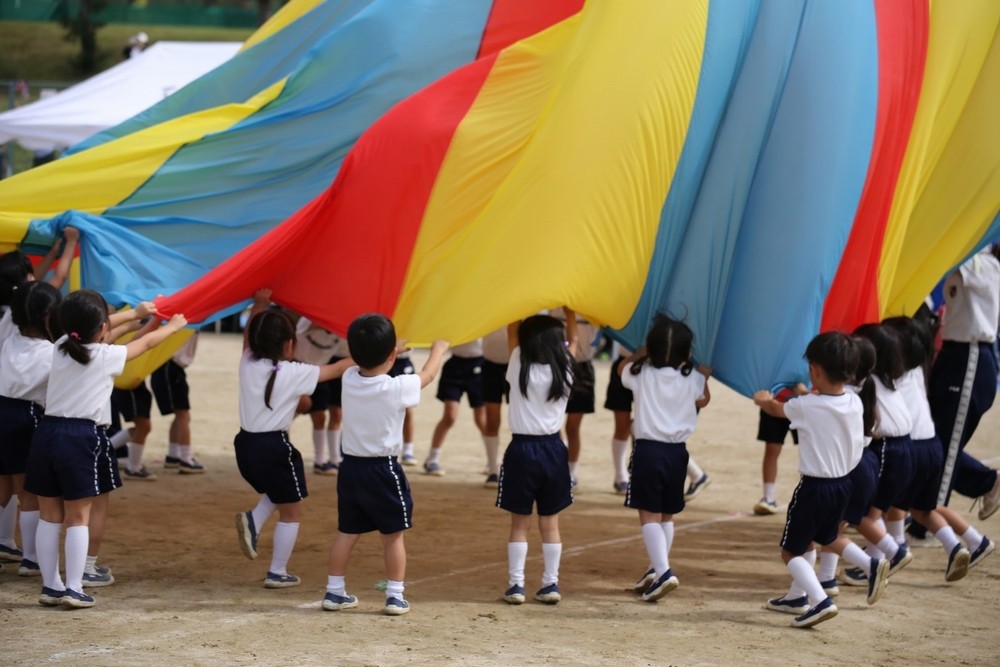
x=270, y=386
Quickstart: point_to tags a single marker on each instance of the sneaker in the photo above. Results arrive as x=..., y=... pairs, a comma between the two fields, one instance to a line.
x=492, y=481
x=877, y=579
x=98, y=578
x=50, y=597
x=396, y=607
x=273, y=580
x=10, y=554
x=830, y=587
x=854, y=576
x=170, y=462
x=408, y=460
x=28, y=568
x=928, y=540
x=990, y=502
x=958, y=563
x=665, y=583
x=324, y=469
x=697, y=487
x=548, y=594
x=648, y=577
x=514, y=595
x=140, y=474
x=76, y=600
x=824, y=611
x=621, y=488
x=247, y=534
x=191, y=467
x=765, y=507
x=786, y=606
x=334, y=602
x=900, y=560
x=435, y=470
x=984, y=549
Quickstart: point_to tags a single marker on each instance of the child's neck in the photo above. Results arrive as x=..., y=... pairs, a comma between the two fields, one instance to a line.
x=829, y=388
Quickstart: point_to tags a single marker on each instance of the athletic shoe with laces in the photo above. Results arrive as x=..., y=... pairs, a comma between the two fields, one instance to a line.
x=246, y=532
x=830, y=587
x=324, y=469
x=878, y=577
x=788, y=606
x=334, y=602
x=854, y=576
x=170, y=462
x=141, y=474
x=191, y=467
x=990, y=501
x=97, y=578
x=76, y=600
x=396, y=607
x=275, y=580
x=514, y=595
x=900, y=560
x=548, y=594
x=492, y=481
x=621, y=488
x=697, y=487
x=50, y=597
x=765, y=507
x=958, y=563
x=434, y=468
x=408, y=460
x=28, y=568
x=648, y=577
x=824, y=611
x=663, y=584
x=10, y=554
x=984, y=549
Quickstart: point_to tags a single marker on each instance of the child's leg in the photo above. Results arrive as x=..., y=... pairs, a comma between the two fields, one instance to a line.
x=285, y=534
x=98, y=520
x=655, y=540
x=548, y=526
x=970, y=535
x=180, y=435
x=619, y=445
x=479, y=418
x=871, y=528
x=76, y=520
x=895, y=524
x=318, y=419
x=769, y=470
x=29, y=519
x=50, y=521
x=137, y=442
x=573, y=440
x=8, y=513
x=795, y=590
x=340, y=554
x=333, y=431
x=491, y=437
x=517, y=548
x=803, y=574
x=448, y=418
x=395, y=564
x=408, y=436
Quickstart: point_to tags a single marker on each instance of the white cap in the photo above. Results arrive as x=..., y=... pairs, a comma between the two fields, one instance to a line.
x=142, y=37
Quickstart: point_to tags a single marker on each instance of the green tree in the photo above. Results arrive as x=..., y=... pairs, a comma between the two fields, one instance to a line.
x=83, y=27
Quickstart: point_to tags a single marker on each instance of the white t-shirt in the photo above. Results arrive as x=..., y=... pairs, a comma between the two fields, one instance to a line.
x=664, y=402
x=831, y=432
x=894, y=419
x=495, y=346
x=374, y=408
x=914, y=393
x=534, y=415
x=84, y=391
x=291, y=381
x=184, y=355
x=314, y=344
x=470, y=350
x=26, y=363
x=971, y=315
x=7, y=328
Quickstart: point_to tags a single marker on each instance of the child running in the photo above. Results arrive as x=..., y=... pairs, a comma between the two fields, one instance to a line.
x=668, y=397
x=535, y=469
x=372, y=490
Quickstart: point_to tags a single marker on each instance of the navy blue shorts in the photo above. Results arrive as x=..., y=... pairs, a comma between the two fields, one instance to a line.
x=373, y=494
x=618, y=398
x=271, y=465
x=327, y=394
x=402, y=366
x=18, y=420
x=815, y=513
x=133, y=403
x=581, y=396
x=495, y=385
x=657, y=473
x=71, y=459
x=864, y=481
x=774, y=429
x=928, y=463
x=461, y=375
x=170, y=387
x=895, y=473
x=535, y=469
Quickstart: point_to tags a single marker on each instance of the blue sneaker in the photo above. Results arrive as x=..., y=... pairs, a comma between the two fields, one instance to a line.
x=548, y=594
x=648, y=577
x=514, y=595
x=854, y=576
x=788, y=606
x=665, y=583
x=958, y=563
x=900, y=560
x=697, y=487
x=824, y=611
x=50, y=597
x=830, y=587
x=984, y=549
x=101, y=576
x=274, y=580
x=878, y=577
x=76, y=600
x=28, y=568
x=171, y=462
x=434, y=469
x=247, y=534
x=334, y=602
x=10, y=554
x=396, y=607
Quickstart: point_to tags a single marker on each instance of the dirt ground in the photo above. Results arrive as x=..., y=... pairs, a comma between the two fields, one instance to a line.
x=186, y=595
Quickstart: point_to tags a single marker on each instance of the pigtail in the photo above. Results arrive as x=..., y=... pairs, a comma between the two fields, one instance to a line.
x=33, y=309
x=869, y=404
x=637, y=365
x=81, y=315
x=267, y=334
x=75, y=348
x=270, y=386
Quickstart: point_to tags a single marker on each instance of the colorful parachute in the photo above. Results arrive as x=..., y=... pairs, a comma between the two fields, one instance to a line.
x=764, y=170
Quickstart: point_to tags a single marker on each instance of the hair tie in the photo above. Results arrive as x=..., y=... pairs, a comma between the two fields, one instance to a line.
x=277, y=368
x=74, y=335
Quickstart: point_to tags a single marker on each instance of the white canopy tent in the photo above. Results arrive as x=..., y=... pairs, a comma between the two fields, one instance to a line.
x=113, y=96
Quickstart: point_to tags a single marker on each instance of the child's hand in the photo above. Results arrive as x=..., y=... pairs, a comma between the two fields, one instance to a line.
x=177, y=322
x=71, y=233
x=762, y=396
x=440, y=346
x=801, y=389
x=144, y=310
x=262, y=297
x=401, y=346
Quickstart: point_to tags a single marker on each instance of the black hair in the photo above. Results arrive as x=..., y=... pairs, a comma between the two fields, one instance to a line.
x=668, y=344
x=15, y=267
x=371, y=338
x=889, y=365
x=915, y=337
x=34, y=307
x=836, y=354
x=542, y=340
x=81, y=315
x=862, y=380
x=267, y=334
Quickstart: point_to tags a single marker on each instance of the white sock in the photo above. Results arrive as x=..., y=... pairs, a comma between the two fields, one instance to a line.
x=319, y=446
x=770, y=489
x=888, y=546
x=795, y=590
x=897, y=530
x=804, y=575
x=551, y=555
x=694, y=471
x=336, y=585
x=492, y=444
x=828, y=565
x=135, y=456
x=619, y=456
x=858, y=558
x=971, y=537
x=948, y=538
x=184, y=453
x=77, y=539
x=90, y=567
x=47, y=546
x=394, y=589
x=29, y=528
x=265, y=508
x=172, y=450
x=873, y=550
x=284, y=542
x=434, y=455
x=8, y=520
x=668, y=534
x=333, y=442
x=120, y=438
x=517, y=554
x=656, y=546
x=572, y=468
x=407, y=449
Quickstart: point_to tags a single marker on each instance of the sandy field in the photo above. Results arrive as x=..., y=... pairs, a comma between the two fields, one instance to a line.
x=185, y=595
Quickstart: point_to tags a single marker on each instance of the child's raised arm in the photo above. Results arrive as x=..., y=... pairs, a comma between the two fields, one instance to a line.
x=572, y=338
x=433, y=364
x=335, y=370
x=147, y=342
x=766, y=402
x=66, y=258
x=706, y=394
x=261, y=300
x=512, y=331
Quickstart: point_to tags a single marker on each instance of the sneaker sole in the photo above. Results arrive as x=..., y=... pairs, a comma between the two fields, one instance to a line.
x=668, y=586
x=435, y=473
x=959, y=567
x=325, y=473
x=338, y=606
x=764, y=510
x=49, y=601
x=396, y=611
x=824, y=615
x=11, y=558
x=98, y=584
x=245, y=537
x=73, y=603
x=698, y=491
x=901, y=564
x=644, y=583
x=514, y=599
x=881, y=581
x=25, y=572
x=281, y=584
x=978, y=559
x=190, y=471
x=552, y=598
x=798, y=611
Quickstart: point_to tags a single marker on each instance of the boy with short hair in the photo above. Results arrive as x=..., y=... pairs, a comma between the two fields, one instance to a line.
x=372, y=491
